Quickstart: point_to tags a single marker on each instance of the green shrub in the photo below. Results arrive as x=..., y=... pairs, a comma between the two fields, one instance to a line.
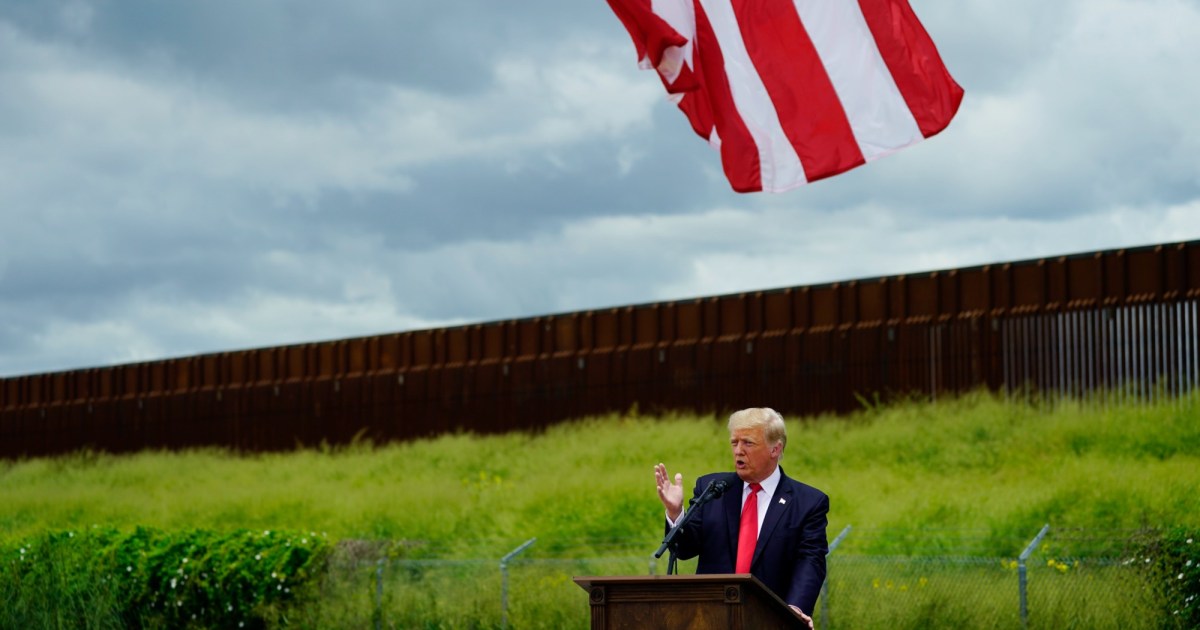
x=106, y=578
x=1178, y=556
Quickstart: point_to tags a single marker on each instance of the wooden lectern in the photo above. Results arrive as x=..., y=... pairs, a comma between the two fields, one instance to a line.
x=691, y=602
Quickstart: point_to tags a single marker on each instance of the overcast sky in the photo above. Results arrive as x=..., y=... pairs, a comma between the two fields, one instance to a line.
x=183, y=177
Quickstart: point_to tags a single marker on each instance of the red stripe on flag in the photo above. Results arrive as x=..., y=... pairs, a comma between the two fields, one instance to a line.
x=930, y=92
x=651, y=34
x=694, y=104
x=739, y=154
x=791, y=70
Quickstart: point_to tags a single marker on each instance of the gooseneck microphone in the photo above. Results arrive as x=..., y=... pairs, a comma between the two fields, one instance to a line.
x=713, y=490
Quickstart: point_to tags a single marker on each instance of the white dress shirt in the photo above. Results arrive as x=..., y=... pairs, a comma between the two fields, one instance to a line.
x=764, y=498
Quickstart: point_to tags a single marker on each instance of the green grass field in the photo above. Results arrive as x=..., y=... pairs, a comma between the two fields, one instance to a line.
x=972, y=476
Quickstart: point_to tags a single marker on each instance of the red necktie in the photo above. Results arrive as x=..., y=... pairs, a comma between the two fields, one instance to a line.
x=748, y=530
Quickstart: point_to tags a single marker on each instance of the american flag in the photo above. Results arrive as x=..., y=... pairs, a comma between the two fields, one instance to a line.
x=793, y=91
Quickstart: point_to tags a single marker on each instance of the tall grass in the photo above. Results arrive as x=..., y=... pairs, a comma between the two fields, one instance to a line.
x=976, y=475
x=976, y=462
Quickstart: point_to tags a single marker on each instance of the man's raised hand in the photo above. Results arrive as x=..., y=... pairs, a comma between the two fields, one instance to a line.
x=670, y=493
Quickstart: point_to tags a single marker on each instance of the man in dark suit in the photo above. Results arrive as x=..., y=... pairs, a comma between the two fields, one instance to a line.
x=766, y=523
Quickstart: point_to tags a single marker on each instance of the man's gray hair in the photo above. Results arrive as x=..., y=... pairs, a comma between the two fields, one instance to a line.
x=768, y=419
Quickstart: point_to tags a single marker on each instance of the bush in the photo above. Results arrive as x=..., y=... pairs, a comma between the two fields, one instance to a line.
x=1179, y=556
x=106, y=578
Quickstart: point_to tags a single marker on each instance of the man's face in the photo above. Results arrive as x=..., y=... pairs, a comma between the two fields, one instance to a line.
x=753, y=459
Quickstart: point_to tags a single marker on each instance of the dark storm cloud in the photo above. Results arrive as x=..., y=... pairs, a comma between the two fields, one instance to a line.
x=493, y=199
x=289, y=55
x=180, y=177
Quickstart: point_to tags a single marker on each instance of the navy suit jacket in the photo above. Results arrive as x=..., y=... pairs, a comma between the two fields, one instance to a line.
x=790, y=555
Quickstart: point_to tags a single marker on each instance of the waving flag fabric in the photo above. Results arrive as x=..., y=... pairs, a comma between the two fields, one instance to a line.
x=793, y=91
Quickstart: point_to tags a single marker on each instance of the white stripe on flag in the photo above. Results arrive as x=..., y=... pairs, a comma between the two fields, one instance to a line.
x=681, y=16
x=878, y=115
x=781, y=168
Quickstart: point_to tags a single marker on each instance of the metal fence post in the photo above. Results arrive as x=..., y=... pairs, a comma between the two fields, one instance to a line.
x=379, y=593
x=504, y=580
x=825, y=585
x=1021, y=580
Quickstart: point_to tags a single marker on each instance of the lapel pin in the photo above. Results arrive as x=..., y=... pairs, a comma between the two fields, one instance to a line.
x=782, y=501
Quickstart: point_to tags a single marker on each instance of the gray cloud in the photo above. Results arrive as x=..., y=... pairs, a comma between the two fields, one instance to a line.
x=192, y=177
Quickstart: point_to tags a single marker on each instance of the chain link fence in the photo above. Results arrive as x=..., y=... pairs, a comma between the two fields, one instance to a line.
x=966, y=592
x=1060, y=579
x=1055, y=578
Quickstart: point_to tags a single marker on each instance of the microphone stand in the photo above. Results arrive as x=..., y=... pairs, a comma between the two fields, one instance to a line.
x=715, y=489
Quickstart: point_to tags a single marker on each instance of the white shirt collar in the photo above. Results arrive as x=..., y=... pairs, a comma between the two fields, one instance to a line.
x=768, y=485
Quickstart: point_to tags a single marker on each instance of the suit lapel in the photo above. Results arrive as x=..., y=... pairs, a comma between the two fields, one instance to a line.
x=733, y=514
x=780, y=503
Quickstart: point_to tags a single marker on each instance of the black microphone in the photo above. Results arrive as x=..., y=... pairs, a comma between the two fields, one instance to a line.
x=713, y=490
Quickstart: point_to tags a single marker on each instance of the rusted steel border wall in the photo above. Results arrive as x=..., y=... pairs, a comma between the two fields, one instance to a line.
x=1120, y=319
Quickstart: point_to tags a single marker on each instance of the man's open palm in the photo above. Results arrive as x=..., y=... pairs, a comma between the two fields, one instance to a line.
x=670, y=492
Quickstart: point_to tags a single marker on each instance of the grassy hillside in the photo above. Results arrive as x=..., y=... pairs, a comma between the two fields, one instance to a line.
x=923, y=484
x=976, y=463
